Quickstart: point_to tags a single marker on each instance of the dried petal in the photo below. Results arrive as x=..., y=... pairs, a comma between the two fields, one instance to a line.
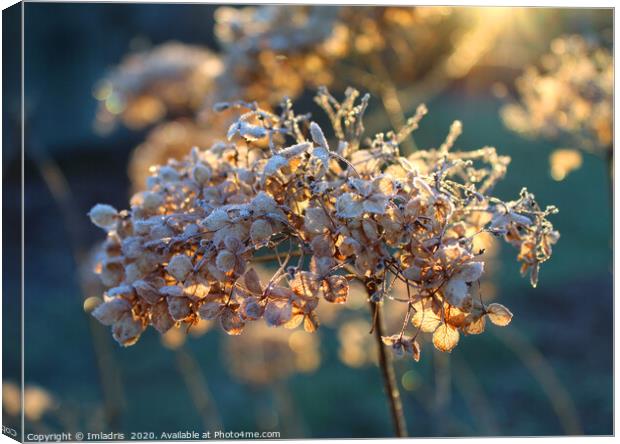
x=349, y=205
x=197, y=288
x=111, y=311
x=474, y=327
x=252, y=282
x=225, y=261
x=335, y=289
x=311, y=322
x=471, y=271
x=260, y=231
x=426, y=320
x=127, y=330
x=179, y=267
x=445, y=338
x=179, y=308
x=456, y=291
x=231, y=322
x=305, y=284
x=316, y=221
x=251, y=309
x=147, y=292
x=277, y=312
x=160, y=317
x=499, y=315
x=210, y=310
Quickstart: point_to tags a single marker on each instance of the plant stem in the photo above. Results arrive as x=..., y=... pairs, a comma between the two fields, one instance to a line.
x=389, y=377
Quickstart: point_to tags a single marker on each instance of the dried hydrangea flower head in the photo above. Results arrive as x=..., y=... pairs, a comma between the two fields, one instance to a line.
x=172, y=140
x=170, y=79
x=568, y=97
x=276, y=51
x=328, y=211
x=410, y=40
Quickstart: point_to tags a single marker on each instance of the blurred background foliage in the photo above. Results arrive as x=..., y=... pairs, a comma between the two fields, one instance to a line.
x=548, y=373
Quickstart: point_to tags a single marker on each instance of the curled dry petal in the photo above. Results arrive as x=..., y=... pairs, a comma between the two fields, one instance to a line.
x=376, y=204
x=499, y=315
x=311, y=322
x=474, y=326
x=173, y=291
x=402, y=345
x=197, y=288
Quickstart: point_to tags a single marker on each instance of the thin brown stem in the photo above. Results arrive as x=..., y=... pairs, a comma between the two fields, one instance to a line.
x=389, y=376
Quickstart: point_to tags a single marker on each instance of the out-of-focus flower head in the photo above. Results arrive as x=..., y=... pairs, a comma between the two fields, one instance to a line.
x=276, y=51
x=329, y=211
x=408, y=41
x=263, y=355
x=172, y=140
x=170, y=79
x=568, y=96
x=37, y=400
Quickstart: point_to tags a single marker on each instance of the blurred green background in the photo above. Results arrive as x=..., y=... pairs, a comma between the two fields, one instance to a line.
x=548, y=373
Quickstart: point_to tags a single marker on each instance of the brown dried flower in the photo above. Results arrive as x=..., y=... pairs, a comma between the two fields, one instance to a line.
x=329, y=211
x=569, y=96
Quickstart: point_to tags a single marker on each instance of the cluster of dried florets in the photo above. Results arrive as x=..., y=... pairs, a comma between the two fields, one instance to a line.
x=168, y=80
x=269, y=52
x=169, y=140
x=329, y=213
x=274, y=51
x=569, y=96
